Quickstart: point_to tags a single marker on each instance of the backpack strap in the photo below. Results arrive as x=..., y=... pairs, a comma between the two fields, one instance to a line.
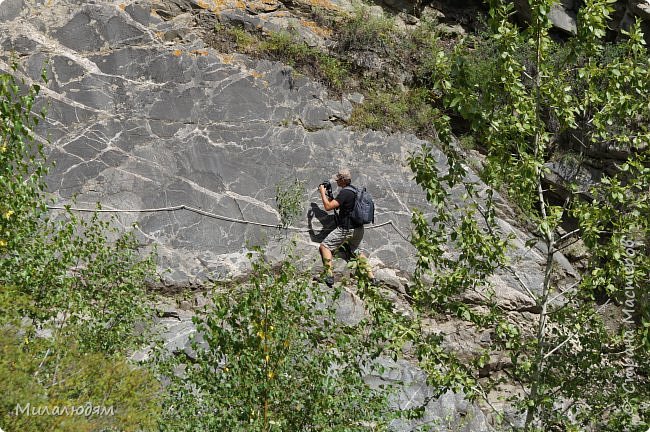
x=356, y=194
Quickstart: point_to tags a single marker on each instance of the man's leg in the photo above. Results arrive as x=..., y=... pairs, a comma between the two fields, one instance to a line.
x=327, y=248
x=326, y=256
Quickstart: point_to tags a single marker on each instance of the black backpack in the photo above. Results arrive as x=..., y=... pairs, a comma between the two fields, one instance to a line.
x=363, y=211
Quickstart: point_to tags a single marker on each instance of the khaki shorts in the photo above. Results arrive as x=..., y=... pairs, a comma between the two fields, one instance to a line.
x=351, y=238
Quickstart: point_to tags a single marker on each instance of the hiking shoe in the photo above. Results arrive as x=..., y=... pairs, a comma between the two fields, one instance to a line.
x=327, y=280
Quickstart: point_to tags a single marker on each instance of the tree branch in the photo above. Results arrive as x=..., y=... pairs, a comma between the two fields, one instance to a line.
x=530, y=293
x=567, y=235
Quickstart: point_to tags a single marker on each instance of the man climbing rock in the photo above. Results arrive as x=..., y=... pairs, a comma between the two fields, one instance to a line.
x=346, y=235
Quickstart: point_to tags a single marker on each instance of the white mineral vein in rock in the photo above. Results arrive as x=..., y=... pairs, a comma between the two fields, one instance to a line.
x=52, y=46
x=253, y=201
x=136, y=175
x=53, y=94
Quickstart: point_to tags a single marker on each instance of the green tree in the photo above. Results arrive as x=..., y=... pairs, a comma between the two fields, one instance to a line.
x=272, y=357
x=536, y=94
x=66, y=267
x=71, y=292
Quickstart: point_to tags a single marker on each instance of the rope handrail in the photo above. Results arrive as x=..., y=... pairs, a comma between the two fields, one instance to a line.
x=211, y=215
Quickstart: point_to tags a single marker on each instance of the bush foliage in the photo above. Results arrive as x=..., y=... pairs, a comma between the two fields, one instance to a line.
x=69, y=296
x=522, y=94
x=271, y=356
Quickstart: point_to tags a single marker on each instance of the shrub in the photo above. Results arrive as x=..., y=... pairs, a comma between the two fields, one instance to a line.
x=409, y=111
x=289, y=198
x=285, y=47
x=65, y=279
x=52, y=375
x=271, y=357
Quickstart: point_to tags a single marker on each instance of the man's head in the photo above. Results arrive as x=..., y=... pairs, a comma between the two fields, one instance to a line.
x=343, y=177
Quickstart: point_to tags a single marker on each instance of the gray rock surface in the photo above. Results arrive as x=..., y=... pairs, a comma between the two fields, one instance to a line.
x=10, y=9
x=447, y=413
x=640, y=7
x=564, y=18
x=138, y=121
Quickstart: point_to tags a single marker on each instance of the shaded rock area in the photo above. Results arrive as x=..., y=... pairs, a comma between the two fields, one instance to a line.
x=563, y=14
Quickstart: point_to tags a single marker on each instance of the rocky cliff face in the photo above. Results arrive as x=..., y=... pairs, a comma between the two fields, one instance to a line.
x=142, y=114
x=136, y=122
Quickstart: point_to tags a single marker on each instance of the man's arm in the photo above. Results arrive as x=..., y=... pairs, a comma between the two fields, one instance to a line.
x=327, y=203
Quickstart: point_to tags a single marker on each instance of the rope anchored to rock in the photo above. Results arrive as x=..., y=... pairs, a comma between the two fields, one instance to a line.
x=210, y=215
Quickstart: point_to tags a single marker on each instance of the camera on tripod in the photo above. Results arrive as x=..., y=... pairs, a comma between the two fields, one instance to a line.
x=328, y=188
